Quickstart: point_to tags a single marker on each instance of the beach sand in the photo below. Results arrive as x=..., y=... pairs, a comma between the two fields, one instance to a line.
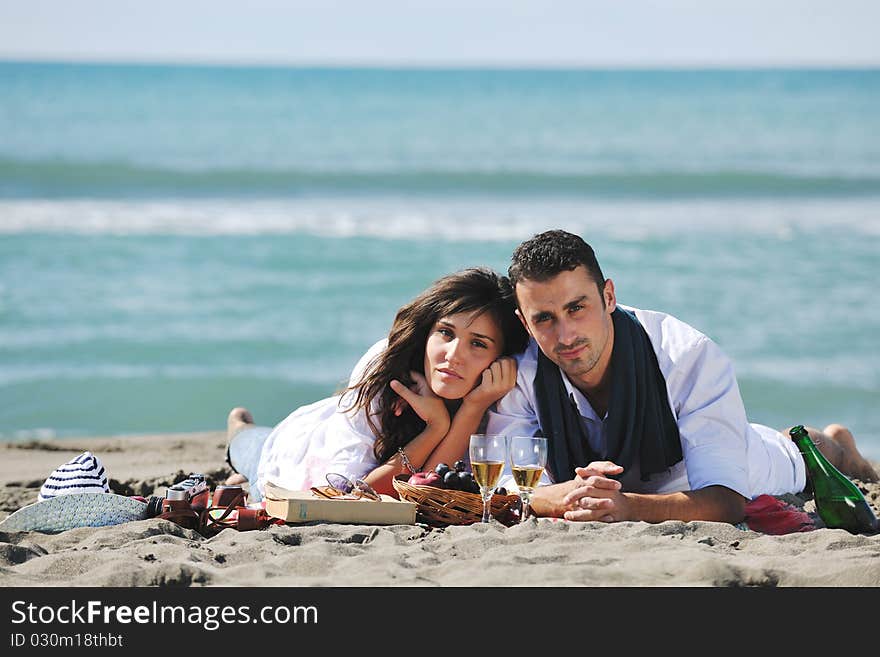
x=540, y=552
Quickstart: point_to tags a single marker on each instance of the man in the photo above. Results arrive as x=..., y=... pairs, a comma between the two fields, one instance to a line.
x=642, y=412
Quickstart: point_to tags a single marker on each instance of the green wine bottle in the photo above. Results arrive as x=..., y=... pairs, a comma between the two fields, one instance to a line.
x=839, y=501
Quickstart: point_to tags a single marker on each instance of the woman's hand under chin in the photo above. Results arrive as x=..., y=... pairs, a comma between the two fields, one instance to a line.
x=497, y=380
x=427, y=405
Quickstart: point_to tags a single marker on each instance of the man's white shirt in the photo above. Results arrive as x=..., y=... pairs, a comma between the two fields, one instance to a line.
x=719, y=445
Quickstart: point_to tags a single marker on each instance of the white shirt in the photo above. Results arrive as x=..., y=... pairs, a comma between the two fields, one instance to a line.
x=320, y=438
x=719, y=445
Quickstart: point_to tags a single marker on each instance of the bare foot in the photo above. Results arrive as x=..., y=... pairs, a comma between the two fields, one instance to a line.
x=238, y=419
x=853, y=463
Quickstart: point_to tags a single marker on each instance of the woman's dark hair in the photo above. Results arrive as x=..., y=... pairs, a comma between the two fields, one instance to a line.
x=477, y=290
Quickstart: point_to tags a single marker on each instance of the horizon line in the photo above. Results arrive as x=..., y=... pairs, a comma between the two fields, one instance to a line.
x=444, y=65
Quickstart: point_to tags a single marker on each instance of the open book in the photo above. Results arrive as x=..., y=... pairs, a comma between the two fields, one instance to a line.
x=296, y=506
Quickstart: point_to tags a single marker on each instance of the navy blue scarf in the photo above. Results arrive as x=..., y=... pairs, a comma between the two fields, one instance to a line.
x=640, y=427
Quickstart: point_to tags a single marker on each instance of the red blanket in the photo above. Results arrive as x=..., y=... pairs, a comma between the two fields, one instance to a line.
x=770, y=515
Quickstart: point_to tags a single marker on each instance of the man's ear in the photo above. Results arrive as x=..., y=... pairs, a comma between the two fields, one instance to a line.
x=609, y=295
x=523, y=322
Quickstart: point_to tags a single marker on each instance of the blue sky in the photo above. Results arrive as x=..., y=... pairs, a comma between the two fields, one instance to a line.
x=454, y=32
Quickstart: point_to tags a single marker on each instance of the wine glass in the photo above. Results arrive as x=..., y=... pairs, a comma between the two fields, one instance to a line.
x=528, y=457
x=487, y=454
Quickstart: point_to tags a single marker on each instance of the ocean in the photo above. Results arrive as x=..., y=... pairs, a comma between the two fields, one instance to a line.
x=179, y=240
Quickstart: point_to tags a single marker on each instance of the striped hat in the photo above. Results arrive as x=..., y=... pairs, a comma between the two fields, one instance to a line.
x=83, y=474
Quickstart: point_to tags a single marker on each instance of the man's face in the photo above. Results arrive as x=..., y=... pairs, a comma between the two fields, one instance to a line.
x=571, y=324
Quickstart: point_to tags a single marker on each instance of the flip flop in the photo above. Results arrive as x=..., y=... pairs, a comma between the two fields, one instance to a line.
x=58, y=514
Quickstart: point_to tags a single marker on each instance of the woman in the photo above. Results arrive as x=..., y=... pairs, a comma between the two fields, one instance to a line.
x=413, y=399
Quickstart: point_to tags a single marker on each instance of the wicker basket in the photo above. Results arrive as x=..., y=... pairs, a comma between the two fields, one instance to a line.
x=440, y=507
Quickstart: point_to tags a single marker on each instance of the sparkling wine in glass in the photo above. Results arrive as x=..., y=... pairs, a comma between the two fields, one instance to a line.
x=528, y=457
x=487, y=454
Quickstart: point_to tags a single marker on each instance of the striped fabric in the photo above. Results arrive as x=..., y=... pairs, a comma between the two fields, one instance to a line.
x=83, y=474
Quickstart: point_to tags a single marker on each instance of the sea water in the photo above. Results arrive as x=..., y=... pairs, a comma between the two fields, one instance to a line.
x=176, y=241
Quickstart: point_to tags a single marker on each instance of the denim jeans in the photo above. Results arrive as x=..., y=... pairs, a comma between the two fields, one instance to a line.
x=243, y=455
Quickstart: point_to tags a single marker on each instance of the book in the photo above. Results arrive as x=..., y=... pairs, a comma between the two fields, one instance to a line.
x=295, y=506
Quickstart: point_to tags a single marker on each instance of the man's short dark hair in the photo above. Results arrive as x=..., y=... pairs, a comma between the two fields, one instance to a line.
x=550, y=253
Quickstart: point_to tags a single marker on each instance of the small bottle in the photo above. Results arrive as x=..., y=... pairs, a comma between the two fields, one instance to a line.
x=839, y=501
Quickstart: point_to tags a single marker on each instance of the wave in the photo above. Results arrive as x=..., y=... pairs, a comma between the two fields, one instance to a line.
x=324, y=373
x=455, y=219
x=57, y=178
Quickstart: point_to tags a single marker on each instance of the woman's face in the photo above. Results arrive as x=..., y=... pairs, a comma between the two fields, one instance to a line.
x=459, y=348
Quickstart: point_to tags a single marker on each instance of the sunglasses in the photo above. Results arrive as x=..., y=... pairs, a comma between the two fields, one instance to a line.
x=341, y=487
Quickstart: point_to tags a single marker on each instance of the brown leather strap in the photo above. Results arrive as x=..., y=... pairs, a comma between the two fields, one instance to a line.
x=245, y=519
x=182, y=513
x=235, y=502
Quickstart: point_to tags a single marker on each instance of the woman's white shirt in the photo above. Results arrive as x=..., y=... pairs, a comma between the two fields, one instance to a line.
x=319, y=438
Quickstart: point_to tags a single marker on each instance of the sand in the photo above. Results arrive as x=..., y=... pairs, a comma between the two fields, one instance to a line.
x=540, y=552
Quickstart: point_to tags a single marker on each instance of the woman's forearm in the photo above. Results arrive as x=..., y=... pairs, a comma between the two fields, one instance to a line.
x=417, y=450
x=454, y=445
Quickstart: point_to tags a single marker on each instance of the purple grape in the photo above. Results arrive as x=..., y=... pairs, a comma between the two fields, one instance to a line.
x=452, y=480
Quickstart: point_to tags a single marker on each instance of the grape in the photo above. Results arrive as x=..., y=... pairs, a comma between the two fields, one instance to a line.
x=460, y=466
x=442, y=469
x=468, y=483
x=452, y=480
x=501, y=491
